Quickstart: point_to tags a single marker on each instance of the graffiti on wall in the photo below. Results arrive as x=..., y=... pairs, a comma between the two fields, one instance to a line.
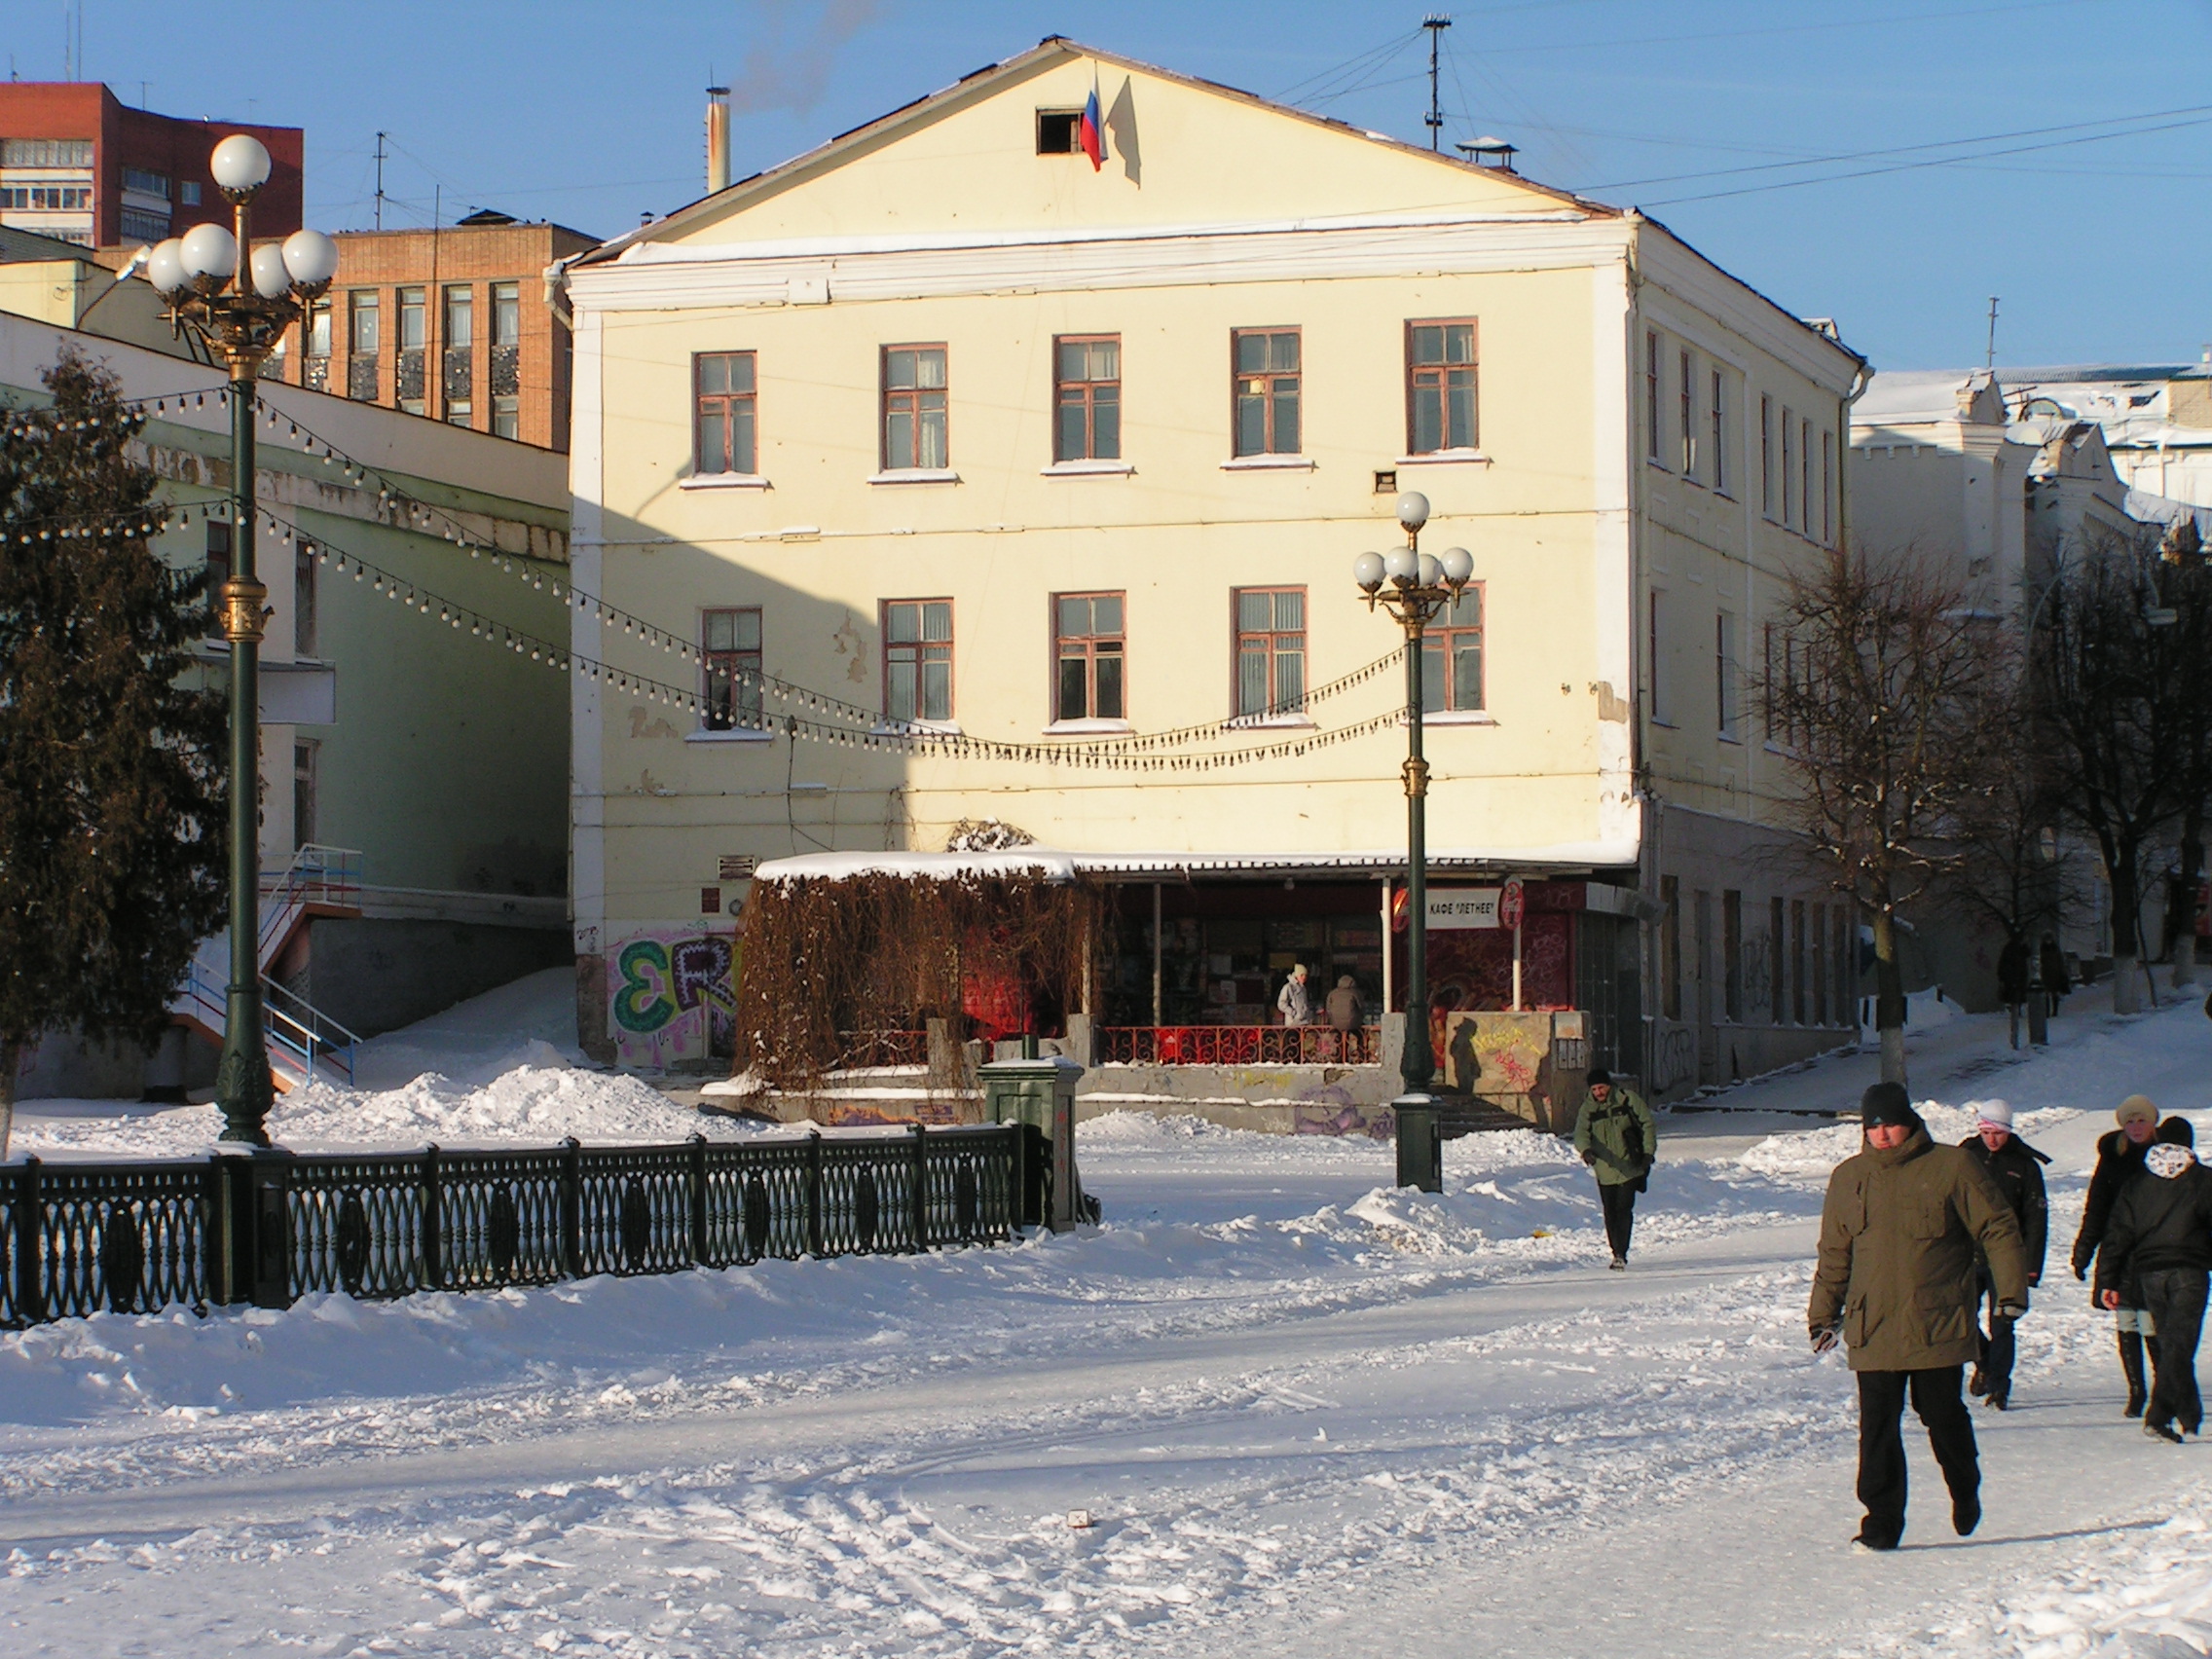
x=671, y=996
x=1674, y=1056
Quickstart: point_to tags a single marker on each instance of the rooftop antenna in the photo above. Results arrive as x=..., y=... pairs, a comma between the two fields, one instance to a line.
x=1436, y=23
x=1989, y=361
x=379, y=178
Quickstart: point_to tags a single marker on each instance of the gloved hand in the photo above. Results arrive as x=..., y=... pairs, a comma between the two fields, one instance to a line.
x=1589, y=1157
x=2082, y=1260
x=1825, y=1337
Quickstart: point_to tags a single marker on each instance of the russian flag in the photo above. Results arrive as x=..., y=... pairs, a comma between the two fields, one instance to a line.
x=1089, y=134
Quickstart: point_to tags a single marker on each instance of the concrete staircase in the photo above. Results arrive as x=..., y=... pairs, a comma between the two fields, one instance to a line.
x=304, y=1044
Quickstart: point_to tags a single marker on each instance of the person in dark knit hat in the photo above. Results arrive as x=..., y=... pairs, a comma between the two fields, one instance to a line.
x=1618, y=1137
x=1900, y=1231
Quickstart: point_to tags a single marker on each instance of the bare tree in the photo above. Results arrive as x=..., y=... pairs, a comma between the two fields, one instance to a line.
x=1885, y=675
x=2188, y=590
x=2005, y=861
x=2119, y=669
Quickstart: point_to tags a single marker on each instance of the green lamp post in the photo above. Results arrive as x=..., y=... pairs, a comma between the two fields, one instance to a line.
x=1415, y=588
x=239, y=299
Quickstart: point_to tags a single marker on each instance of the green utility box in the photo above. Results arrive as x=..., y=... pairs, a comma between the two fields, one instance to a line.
x=1040, y=1096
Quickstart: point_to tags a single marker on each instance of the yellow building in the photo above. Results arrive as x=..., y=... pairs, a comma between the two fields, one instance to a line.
x=946, y=475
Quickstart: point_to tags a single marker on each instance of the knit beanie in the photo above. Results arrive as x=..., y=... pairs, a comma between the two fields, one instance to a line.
x=1887, y=1103
x=2177, y=1130
x=1995, y=1113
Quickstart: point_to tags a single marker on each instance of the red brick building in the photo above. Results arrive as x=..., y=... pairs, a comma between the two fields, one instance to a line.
x=79, y=164
x=451, y=324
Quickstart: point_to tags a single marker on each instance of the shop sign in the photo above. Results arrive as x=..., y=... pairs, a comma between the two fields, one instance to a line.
x=1463, y=908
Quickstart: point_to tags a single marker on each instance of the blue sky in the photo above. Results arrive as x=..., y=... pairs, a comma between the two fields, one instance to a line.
x=589, y=113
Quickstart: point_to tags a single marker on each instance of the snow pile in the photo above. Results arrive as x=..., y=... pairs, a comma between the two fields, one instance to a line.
x=532, y=1104
x=531, y=1022
x=1813, y=1155
x=2144, y=1595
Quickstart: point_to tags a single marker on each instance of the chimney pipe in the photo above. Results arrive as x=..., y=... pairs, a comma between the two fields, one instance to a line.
x=717, y=139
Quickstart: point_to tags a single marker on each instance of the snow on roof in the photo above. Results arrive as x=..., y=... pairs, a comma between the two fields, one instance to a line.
x=935, y=867
x=1902, y=397
x=1060, y=866
x=2146, y=509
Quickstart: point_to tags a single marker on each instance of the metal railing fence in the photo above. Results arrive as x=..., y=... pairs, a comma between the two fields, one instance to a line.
x=79, y=1239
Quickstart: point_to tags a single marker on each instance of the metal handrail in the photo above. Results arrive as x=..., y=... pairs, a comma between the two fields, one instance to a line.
x=309, y=1036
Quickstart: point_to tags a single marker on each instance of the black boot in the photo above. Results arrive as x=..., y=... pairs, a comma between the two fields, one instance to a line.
x=2131, y=1362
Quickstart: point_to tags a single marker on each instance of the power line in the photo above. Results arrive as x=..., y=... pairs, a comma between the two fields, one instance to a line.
x=1903, y=149
x=1934, y=162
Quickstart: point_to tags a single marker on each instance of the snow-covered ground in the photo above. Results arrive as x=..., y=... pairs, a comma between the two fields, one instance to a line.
x=1303, y=1414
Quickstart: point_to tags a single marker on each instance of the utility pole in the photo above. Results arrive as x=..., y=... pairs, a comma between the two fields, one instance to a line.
x=379, y=179
x=1436, y=23
x=1989, y=358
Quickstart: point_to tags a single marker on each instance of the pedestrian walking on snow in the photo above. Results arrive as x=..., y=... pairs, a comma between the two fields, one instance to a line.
x=1618, y=1137
x=2016, y=1170
x=1901, y=1230
x=2013, y=982
x=1294, y=1000
x=2160, y=1239
x=2119, y=1163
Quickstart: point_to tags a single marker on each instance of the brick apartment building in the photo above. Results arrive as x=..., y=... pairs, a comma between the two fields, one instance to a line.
x=79, y=164
x=452, y=324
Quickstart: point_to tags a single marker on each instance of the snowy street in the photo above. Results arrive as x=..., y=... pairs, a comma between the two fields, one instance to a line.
x=1305, y=1413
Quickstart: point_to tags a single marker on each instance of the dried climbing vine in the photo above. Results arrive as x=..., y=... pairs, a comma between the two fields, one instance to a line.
x=833, y=967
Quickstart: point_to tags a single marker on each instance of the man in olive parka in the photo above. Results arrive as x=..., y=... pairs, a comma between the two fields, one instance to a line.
x=1618, y=1137
x=1897, y=1283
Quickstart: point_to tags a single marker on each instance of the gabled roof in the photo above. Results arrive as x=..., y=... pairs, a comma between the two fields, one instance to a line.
x=981, y=84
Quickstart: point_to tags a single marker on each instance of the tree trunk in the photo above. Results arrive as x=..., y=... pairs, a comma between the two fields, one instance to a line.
x=2126, y=922
x=11, y=1062
x=1889, y=998
x=2184, y=914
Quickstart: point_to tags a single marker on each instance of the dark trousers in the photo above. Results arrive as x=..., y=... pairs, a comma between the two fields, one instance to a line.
x=1881, y=1442
x=1618, y=1199
x=1996, y=1343
x=2174, y=1298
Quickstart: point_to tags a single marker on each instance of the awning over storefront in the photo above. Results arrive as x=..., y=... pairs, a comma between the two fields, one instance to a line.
x=1571, y=858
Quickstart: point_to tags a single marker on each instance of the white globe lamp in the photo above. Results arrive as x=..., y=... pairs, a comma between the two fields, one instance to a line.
x=239, y=164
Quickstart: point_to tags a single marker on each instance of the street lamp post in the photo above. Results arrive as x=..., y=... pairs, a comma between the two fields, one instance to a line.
x=1415, y=587
x=239, y=299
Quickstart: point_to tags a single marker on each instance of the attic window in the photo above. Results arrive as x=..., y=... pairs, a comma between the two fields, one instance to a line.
x=1057, y=132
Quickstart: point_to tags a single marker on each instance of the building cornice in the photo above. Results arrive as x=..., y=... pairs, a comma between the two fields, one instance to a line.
x=1189, y=256
x=1678, y=271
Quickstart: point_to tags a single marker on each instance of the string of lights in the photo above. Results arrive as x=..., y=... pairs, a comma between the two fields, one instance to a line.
x=653, y=635
x=790, y=721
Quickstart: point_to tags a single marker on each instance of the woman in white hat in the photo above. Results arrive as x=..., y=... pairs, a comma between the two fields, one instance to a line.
x=2016, y=1170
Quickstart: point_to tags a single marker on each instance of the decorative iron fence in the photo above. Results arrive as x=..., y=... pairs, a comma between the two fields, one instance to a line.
x=268, y=1227
x=1240, y=1045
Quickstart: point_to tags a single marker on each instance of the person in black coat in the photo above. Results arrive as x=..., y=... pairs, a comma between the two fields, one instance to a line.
x=2160, y=1238
x=2013, y=982
x=2119, y=1162
x=2016, y=1170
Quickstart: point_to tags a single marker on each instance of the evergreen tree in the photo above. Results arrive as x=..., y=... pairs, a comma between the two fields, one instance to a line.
x=112, y=795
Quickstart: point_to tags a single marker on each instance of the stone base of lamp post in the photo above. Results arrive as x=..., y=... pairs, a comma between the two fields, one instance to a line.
x=1420, y=1147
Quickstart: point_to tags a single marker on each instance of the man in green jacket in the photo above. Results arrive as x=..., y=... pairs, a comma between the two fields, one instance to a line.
x=1897, y=1281
x=1618, y=1137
